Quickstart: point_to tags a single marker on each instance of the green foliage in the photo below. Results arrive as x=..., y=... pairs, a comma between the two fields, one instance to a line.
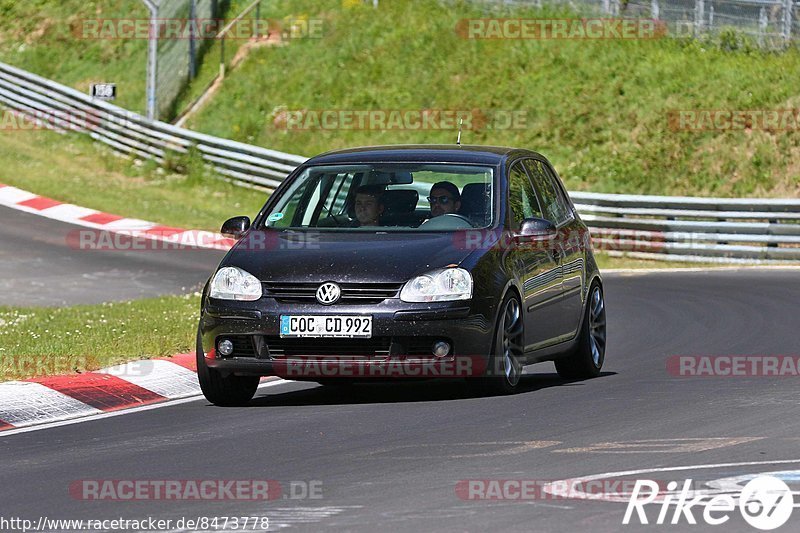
x=74, y=169
x=598, y=109
x=41, y=341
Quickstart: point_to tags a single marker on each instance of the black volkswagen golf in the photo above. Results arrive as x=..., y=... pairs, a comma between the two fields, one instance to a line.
x=405, y=261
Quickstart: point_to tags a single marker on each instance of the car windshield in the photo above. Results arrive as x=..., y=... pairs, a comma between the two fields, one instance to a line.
x=387, y=197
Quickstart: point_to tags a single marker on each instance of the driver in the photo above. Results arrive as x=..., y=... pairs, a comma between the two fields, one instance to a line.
x=444, y=199
x=369, y=205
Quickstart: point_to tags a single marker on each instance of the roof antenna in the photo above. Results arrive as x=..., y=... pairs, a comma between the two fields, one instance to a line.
x=460, y=123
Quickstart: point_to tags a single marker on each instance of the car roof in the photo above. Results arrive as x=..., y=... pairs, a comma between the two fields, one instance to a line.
x=428, y=153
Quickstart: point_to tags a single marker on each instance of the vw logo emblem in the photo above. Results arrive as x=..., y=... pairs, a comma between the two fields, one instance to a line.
x=328, y=293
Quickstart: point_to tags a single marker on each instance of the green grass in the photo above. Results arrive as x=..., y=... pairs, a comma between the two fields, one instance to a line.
x=37, y=342
x=74, y=169
x=46, y=37
x=43, y=36
x=597, y=109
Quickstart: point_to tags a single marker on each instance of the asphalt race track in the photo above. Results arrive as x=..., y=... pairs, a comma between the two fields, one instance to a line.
x=391, y=456
x=40, y=265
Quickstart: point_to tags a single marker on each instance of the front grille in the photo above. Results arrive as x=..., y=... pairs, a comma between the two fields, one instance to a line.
x=352, y=293
x=374, y=348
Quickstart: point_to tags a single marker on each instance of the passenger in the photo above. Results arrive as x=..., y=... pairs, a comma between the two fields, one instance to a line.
x=444, y=199
x=369, y=205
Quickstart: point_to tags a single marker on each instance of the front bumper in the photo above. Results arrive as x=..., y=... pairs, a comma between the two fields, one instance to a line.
x=397, y=348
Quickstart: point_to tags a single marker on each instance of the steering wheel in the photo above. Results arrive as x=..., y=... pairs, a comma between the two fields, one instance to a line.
x=437, y=221
x=462, y=217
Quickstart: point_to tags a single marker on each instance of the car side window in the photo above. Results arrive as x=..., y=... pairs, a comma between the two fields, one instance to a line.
x=522, y=200
x=563, y=199
x=553, y=205
x=337, y=198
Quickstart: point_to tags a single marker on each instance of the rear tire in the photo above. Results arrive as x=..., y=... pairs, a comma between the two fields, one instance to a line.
x=586, y=359
x=225, y=391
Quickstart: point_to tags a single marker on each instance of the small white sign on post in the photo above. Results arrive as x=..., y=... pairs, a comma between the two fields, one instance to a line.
x=104, y=91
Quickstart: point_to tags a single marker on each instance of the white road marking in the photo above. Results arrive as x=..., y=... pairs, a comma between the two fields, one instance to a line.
x=11, y=196
x=129, y=224
x=23, y=403
x=101, y=415
x=685, y=445
x=556, y=487
x=164, y=378
x=735, y=484
x=67, y=212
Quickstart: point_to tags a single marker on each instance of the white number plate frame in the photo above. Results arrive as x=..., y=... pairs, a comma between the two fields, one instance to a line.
x=326, y=326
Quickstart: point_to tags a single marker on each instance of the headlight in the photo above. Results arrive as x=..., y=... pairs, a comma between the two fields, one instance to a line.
x=443, y=285
x=231, y=283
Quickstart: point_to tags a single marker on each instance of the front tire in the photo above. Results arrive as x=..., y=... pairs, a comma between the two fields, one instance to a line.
x=225, y=391
x=505, y=369
x=586, y=360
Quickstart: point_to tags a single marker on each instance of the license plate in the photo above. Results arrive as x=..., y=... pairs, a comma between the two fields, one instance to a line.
x=326, y=326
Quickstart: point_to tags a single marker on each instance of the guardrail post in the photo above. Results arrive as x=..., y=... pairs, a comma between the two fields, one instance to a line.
x=787, y=19
x=711, y=17
x=152, y=59
x=222, y=57
x=699, y=14
x=192, y=40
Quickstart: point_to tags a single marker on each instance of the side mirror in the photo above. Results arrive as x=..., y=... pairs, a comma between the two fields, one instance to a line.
x=235, y=227
x=536, y=229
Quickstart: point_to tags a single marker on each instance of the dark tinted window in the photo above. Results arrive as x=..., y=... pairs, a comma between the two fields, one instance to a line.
x=521, y=198
x=560, y=190
x=553, y=204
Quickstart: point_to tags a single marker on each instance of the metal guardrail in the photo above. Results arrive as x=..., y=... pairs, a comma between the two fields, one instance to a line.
x=695, y=229
x=663, y=227
x=133, y=134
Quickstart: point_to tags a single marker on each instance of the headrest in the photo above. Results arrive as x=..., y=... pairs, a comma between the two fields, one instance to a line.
x=400, y=200
x=475, y=199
